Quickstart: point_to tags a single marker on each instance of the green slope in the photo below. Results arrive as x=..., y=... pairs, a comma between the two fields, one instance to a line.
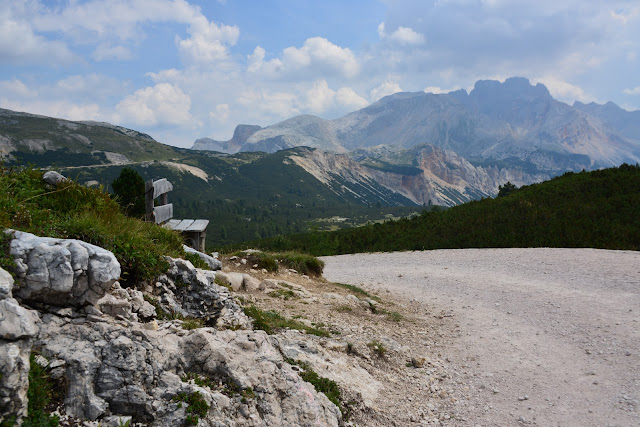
x=45, y=141
x=249, y=196
x=599, y=209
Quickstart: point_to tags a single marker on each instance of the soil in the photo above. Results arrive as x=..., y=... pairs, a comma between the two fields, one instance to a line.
x=547, y=337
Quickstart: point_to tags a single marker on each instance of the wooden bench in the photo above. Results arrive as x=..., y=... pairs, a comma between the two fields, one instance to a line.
x=194, y=230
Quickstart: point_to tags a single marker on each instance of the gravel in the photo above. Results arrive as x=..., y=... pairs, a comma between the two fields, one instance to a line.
x=547, y=337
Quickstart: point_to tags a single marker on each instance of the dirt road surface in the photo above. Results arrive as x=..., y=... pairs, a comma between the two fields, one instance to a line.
x=546, y=337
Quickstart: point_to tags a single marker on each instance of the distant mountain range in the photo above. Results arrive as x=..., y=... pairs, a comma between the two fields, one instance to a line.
x=404, y=151
x=512, y=125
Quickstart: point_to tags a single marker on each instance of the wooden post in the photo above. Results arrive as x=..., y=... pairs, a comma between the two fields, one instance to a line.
x=148, y=200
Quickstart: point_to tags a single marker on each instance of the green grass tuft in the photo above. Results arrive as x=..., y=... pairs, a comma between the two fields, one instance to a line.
x=271, y=321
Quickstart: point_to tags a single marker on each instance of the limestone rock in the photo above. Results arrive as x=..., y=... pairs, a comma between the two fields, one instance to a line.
x=193, y=292
x=62, y=272
x=17, y=326
x=213, y=263
x=131, y=371
x=53, y=178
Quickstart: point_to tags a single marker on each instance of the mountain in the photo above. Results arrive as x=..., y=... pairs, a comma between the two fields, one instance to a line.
x=43, y=141
x=511, y=124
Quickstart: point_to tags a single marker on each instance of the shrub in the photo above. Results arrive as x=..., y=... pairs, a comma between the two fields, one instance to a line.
x=129, y=191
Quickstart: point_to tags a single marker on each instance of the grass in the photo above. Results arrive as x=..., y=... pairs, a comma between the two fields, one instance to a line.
x=197, y=406
x=42, y=390
x=323, y=385
x=285, y=294
x=377, y=348
x=357, y=290
x=72, y=211
x=192, y=323
x=196, y=261
x=271, y=321
x=302, y=263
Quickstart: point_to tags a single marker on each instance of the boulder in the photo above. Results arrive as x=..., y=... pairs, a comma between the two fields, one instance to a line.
x=53, y=178
x=62, y=272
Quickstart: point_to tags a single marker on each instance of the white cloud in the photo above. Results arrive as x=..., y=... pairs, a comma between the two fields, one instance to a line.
x=162, y=104
x=105, y=51
x=19, y=44
x=221, y=114
x=564, y=91
x=317, y=54
x=270, y=103
x=17, y=89
x=632, y=91
x=385, y=89
x=208, y=41
x=402, y=35
x=55, y=108
x=437, y=90
x=348, y=98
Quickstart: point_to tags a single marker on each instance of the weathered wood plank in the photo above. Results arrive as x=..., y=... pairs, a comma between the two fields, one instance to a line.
x=163, y=213
x=148, y=200
x=161, y=186
x=198, y=225
x=172, y=223
x=183, y=225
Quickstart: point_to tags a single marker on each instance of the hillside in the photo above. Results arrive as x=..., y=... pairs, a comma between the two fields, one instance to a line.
x=598, y=209
x=44, y=141
x=513, y=124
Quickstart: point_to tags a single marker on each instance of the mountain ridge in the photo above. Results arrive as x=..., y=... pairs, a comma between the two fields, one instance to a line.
x=512, y=122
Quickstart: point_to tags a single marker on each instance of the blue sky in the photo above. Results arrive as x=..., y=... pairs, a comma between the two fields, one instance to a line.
x=184, y=69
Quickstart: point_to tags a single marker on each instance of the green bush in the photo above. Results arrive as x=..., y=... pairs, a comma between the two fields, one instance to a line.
x=129, y=191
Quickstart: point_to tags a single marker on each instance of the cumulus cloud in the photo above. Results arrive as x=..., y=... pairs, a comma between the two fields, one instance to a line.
x=208, y=42
x=20, y=44
x=320, y=98
x=385, y=89
x=221, y=113
x=317, y=54
x=402, y=35
x=162, y=104
x=632, y=91
x=564, y=91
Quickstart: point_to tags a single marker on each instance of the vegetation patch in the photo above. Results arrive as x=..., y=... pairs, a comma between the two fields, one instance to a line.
x=377, y=347
x=42, y=391
x=197, y=406
x=323, y=385
x=598, y=209
x=285, y=294
x=72, y=211
x=192, y=323
x=271, y=321
x=196, y=261
x=357, y=290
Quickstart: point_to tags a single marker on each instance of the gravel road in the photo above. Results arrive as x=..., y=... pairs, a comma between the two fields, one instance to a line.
x=547, y=337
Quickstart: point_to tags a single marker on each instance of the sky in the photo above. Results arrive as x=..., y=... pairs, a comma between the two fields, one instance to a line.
x=185, y=69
